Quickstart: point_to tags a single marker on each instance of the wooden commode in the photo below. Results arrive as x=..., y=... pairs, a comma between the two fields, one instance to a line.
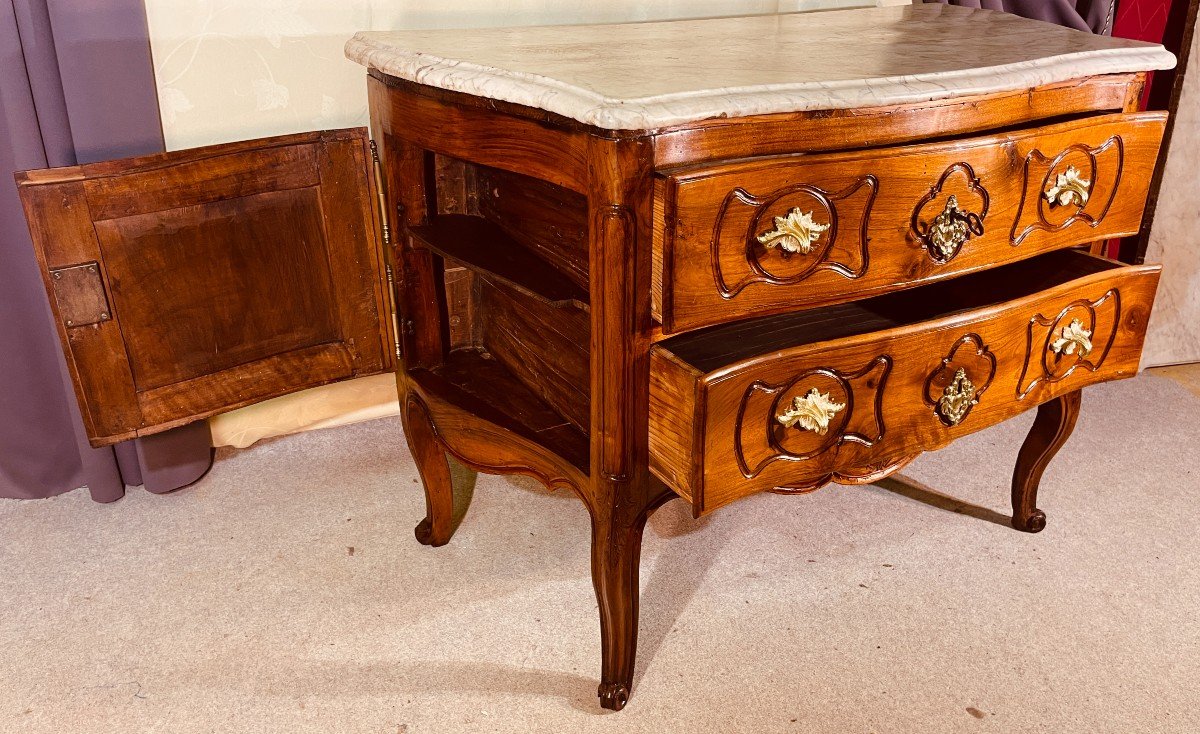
x=688, y=259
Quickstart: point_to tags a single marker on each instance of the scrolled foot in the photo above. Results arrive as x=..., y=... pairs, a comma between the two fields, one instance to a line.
x=1035, y=523
x=614, y=696
x=1051, y=429
x=424, y=533
x=430, y=457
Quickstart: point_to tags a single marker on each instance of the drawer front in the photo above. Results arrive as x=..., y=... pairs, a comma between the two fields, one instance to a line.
x=747, y=239
x=856, y=409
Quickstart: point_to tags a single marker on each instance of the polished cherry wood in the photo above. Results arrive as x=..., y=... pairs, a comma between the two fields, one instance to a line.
x=230, y=274
x=431, y=462
x=716, y=395
x=877, y=210
x=525, y=146
x=867, y=127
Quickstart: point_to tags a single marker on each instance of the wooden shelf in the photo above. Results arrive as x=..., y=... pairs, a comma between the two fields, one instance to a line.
x=474, y=381
x=484, y=247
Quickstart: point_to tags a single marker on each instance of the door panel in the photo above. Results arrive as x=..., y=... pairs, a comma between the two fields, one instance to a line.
x=191, y=283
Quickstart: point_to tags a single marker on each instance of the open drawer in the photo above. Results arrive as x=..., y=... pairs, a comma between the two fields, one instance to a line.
x=853, y=392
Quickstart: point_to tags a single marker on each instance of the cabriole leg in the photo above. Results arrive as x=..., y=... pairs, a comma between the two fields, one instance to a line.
x=623, y=494
x=438, y=525
x=616, y=555
x=1051, y=429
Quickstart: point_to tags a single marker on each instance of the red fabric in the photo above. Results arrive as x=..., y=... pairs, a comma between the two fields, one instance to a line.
x=1142, y=20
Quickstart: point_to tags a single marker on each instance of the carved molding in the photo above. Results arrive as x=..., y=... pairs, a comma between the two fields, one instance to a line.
x=548, y=474
x=942, y=244
x=861, y=420
x=1045, y=364
x=616, y=229
x=978, y=365
x=856, y=475
x=820, y=205
x=1087, y=208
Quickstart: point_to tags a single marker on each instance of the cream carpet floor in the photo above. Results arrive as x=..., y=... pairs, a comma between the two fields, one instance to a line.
x=285, y=593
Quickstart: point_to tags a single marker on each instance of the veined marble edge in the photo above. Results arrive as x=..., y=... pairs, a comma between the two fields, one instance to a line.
x=591, y=108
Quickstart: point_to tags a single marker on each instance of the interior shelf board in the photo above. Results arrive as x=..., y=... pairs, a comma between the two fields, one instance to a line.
x=484, y=246
x=472, y=380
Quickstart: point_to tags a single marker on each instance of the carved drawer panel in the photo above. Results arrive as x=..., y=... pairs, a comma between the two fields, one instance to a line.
x=853, y=392
x=735, y=240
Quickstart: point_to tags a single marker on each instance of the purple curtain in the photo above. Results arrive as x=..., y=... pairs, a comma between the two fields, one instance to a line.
x=76, y=86
x=1086, y=15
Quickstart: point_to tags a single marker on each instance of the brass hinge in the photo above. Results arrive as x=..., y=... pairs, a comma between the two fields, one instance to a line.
x=391, y=280
x=385, y=231
x=381, y=195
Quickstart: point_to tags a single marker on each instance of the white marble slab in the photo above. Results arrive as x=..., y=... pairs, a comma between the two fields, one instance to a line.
x=651, y=75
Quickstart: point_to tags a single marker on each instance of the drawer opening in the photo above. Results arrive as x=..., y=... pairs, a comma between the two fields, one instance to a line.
x=714, y=347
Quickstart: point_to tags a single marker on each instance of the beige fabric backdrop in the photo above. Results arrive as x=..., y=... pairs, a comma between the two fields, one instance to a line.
x=1174, y=336
x=237, y=69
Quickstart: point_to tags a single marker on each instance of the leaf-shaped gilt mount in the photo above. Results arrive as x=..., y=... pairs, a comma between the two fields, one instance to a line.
x=1070, y=188
x=811, y=412
x=1079, y=337
x=790, y=234
x=1073, y=338
x=795, y=233
x=1079, y=184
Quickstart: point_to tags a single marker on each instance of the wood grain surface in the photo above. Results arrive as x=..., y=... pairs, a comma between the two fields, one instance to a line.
x=878, y=208
x=234, y=273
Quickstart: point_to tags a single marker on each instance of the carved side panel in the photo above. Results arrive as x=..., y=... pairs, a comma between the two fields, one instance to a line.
x=791, y=233
x=762, y=437
x=1078, y=337
x=951, y=213
x=1042, y=207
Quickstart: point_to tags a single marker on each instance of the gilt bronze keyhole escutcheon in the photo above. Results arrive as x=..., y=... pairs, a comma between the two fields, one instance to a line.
x=960, y=217
x=958, y=384
x=951, y=230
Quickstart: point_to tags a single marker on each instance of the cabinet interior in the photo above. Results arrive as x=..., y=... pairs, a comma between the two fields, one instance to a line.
x=515, y=316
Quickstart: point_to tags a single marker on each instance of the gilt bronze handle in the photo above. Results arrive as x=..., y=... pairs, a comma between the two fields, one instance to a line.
x=794, y=233
x=811, y=412
x=1073, y=338
x=1070, y=187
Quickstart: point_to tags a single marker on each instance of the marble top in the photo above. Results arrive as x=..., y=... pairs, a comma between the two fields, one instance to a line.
x=638, y=76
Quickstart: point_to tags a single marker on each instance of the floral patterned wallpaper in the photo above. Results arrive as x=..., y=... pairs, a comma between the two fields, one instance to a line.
x=236, y=69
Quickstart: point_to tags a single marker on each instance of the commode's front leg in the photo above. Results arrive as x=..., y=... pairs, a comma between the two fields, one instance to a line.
x=620, y=209
x=438, y=525
x=1051, y=429
x=616, y=555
